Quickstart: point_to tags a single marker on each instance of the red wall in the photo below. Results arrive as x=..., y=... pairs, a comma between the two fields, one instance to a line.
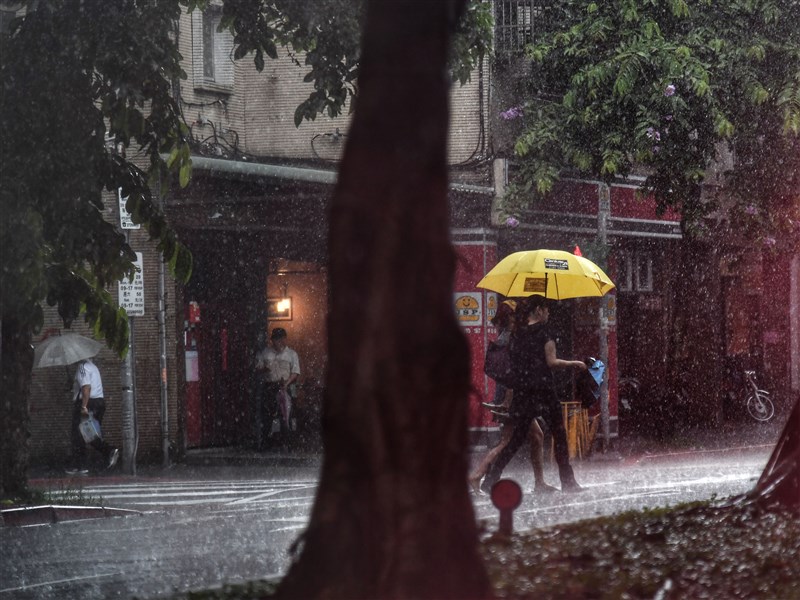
x=473, y=260
x=581, y=198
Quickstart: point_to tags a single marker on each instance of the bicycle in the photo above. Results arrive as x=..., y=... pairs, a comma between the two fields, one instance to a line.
x=759, y=405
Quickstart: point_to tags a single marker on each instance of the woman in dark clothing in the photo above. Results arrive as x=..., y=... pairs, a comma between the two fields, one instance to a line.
x=533, y=357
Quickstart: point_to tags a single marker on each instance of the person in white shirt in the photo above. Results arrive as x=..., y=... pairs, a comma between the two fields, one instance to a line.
x=88, y=397
x=281, y=367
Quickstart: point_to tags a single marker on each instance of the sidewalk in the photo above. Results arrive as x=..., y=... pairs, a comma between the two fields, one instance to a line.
x=729, y=437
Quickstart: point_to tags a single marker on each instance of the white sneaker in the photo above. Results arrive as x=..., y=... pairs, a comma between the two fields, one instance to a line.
x=77, y=471
x=113, y=458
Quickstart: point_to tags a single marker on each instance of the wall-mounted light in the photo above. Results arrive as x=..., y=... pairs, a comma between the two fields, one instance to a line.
x=280, y=309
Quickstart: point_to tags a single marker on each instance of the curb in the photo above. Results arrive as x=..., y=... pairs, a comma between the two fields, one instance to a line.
x=52, y=513
x=227, y=459
x=671, y=456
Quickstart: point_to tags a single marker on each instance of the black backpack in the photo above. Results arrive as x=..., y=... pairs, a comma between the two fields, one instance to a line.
x=497, y=363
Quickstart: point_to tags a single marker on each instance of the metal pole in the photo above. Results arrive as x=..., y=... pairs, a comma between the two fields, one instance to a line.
x=603, y=211
x=162, y=340
x=128, y=408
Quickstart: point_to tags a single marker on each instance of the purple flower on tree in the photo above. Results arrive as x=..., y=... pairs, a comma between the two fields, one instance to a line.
x=515, y=112
x=751, y=210
x=769, y=242
x=653, y=134
x=669, y=90
x=656, y=149
x=512, y=222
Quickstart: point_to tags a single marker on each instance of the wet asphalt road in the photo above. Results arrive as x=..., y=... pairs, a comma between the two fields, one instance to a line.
x=203, y=527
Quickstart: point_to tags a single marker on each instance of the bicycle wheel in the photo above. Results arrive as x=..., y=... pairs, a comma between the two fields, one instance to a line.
x=760, y=407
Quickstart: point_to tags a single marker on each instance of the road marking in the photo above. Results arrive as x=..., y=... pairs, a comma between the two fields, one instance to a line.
x=58, y=582
x=266, y=495
x=179, y=493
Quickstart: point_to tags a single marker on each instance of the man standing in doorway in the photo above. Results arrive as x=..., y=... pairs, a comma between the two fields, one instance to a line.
x=282, y=366
x=88, y=395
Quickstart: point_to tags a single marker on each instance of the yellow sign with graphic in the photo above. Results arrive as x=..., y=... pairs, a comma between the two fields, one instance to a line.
x=491, y=306
x=469, y=309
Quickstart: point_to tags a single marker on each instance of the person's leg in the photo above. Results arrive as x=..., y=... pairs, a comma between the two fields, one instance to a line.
x=78, y=445
x=283, y=420
x=479, y=471
x=97, y=406
x=271, y=410
x=521, y=425
x=551, y=412
x=537, y=458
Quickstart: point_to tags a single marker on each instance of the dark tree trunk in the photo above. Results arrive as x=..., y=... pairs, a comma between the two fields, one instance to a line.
x=779, y=484
x=694, y=356
x=16, y=355
x=392, y=517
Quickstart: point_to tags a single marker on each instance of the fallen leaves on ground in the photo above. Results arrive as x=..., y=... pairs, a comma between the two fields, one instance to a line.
x=702, y=550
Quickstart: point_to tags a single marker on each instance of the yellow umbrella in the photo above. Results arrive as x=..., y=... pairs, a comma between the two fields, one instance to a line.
x=554, y=274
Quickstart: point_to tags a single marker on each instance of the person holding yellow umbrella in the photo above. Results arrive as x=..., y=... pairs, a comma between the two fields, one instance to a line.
x=540, y=275
x=533, y=358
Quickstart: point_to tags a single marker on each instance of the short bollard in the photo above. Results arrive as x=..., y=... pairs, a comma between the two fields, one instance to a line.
x=506, y=496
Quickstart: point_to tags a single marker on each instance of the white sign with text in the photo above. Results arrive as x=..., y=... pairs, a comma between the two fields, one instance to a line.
x=131, y=293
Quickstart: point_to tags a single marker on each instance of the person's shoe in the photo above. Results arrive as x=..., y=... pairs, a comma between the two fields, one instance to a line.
x=475, y=485
x=76, y=471
x=571, y=488
x=113, y=457
x=491, y=405
x=543, y=488
x=486, y=487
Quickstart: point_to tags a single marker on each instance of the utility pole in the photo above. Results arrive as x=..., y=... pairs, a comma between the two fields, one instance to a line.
x=131, y=298
x=603, y=212
x=128, y=408
x=162, y=346
x=162, y=342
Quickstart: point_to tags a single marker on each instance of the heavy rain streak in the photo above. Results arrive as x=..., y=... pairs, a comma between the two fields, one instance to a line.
x=464, y=299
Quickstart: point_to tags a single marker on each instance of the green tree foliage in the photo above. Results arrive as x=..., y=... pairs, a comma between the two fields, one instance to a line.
x=82, y=80
x=664, y=87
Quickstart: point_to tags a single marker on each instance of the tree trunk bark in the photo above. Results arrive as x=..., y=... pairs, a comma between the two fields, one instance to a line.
x=779, y=484
x=392, y=517
x=16, y=354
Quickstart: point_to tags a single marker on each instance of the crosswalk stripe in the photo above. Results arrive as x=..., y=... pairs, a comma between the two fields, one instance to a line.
x=182, y=493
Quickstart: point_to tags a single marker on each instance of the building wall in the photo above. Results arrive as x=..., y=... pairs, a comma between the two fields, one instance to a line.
x=260, y=108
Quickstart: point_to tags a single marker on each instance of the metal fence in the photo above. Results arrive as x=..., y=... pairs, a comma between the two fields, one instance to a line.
x=516, y=24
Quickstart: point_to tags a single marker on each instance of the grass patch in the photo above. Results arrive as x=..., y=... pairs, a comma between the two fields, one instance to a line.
x=700, y=550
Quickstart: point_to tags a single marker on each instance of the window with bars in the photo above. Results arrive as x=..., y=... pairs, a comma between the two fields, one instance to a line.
x=635, y=273
x=516, y=24
x=212, y=51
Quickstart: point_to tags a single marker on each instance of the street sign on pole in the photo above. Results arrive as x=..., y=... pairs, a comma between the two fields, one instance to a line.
x=125, y=221
x=131, y=293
